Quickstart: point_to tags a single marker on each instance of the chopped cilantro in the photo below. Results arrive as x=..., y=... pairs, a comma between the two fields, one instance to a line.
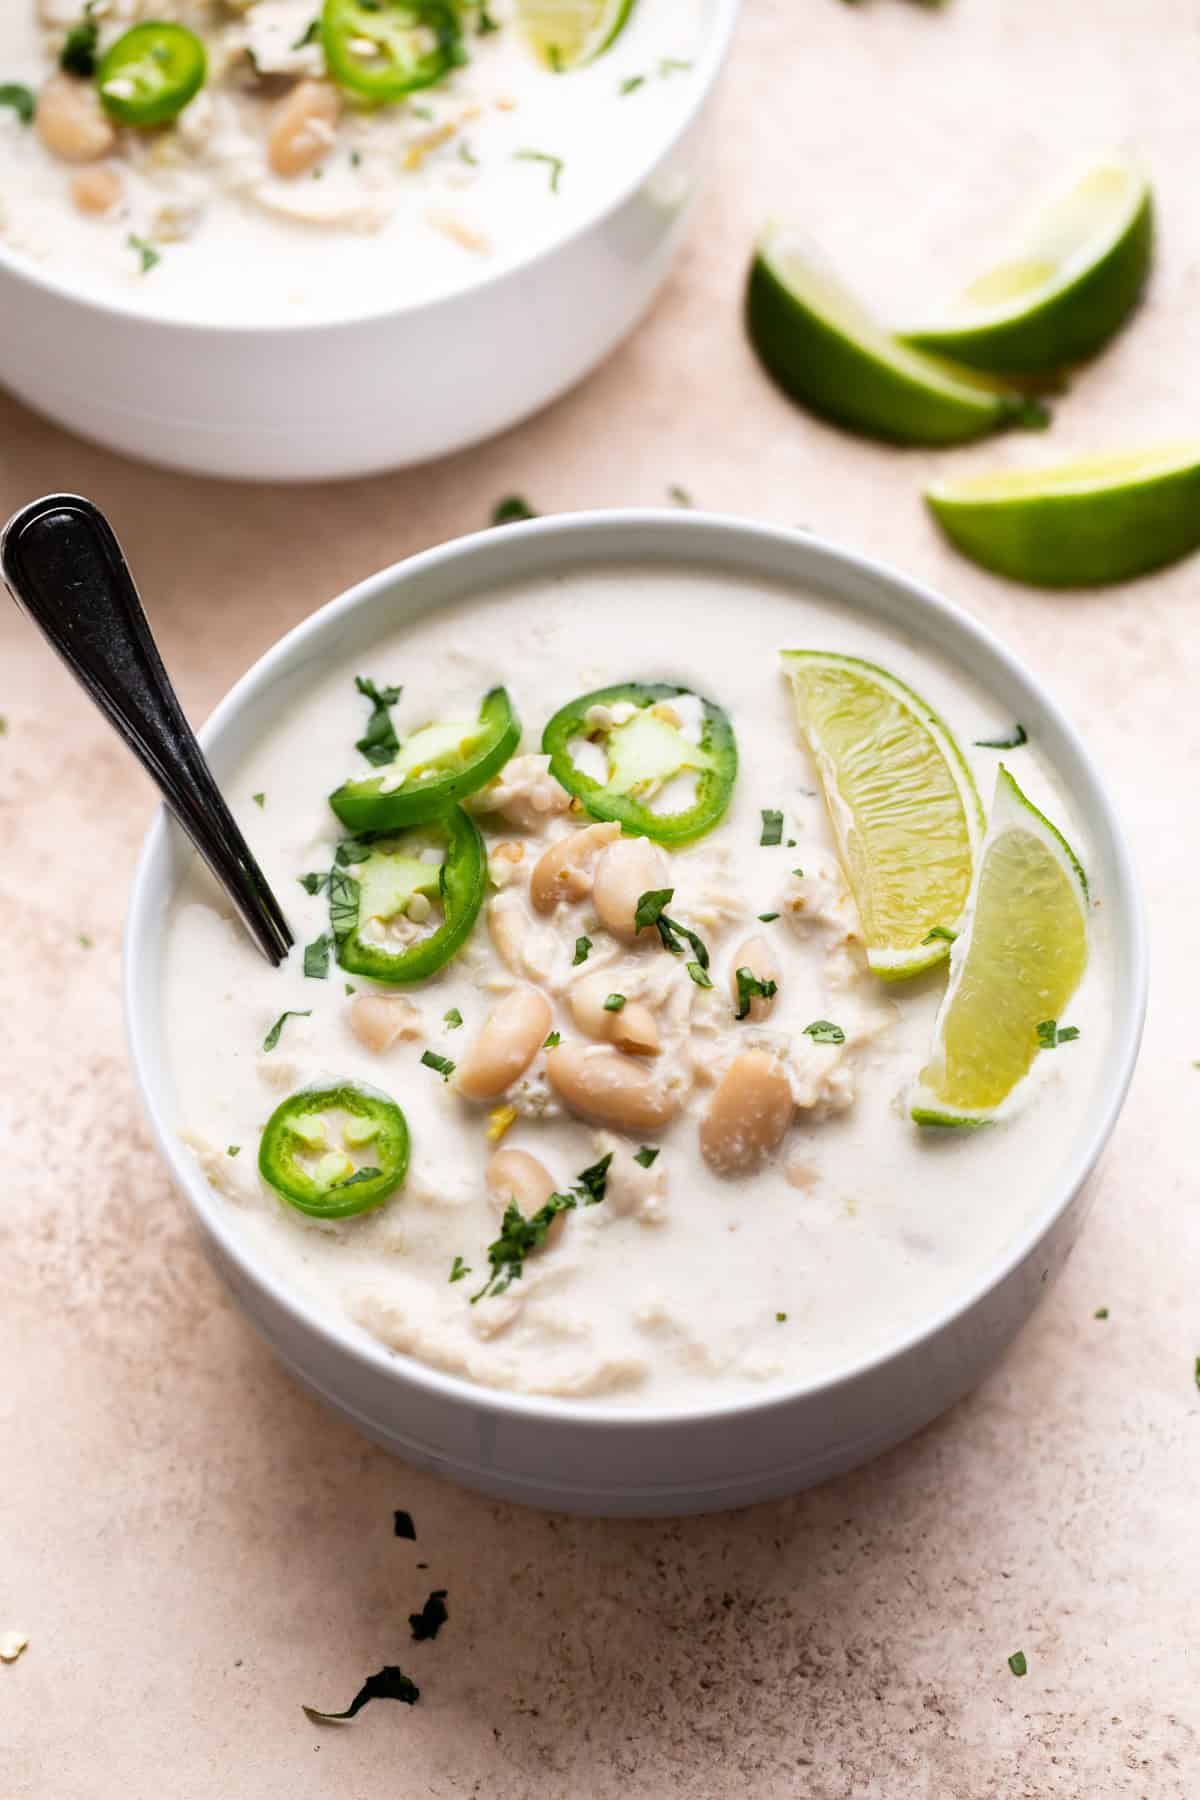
x=316, y=957
x=671, y=65
x=1017, y=1663
x=614, y=1003
x=519, y=1237
x=650, y=906
x=452, y=1019
x=554, y=1039
x=20, y=98
x=313, y=883
x=799, y=874
x=78, y=54
x=343, y=903
x=232, y=1149
x=442, y=1064
x=1101, y=1312
x=272, y=1037
x=772, y=827
x=1196, y=1372
x=432, y=1616
x=781, y=1318
x=555, y=164
x=646, y=1155
x=699, y=974
x=355, y=158
x=631, y=84
x=353, y=1180
x=467, y=155
x=680, y=495
x=260, y=800
x=310, y=35
x=650, y=911
x=821, y=1031
x=511, y=510
x=1049, y=1036
x=582, y=946
x=402, y=1525
x=485, y=24
x=146, y=251
x=592, y=1182
x=459, y=1268
x=1016, y=737
x=766, y=918
x=85, y=941
x=389, y=1684
x=939, y=931
x=351, y=850
x=379, y=742
x=750, y=987
x=350, y=988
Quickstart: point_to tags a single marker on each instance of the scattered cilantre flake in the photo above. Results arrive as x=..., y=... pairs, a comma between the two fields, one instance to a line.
x=379, y=742
x=680, y=495
x=511, y=510
x=1013, y=741
x=272, y=1037
x=343, y=903
x=631, y=84
x=390, y=1683
x=432, y=1616
x=1101, y=1312
x=750, y=987
x=699, y=975
x=458, y=1269
x=20, y=98
x=310, y=35
x=647, y=1155
x=614, y=1003
x=1017, y=1663
x=766, y=918
x=823, y=1031
x=781, y=1318
x=554, y=1039
x=78, y=54
x=316, y=957
x=772, y=827
x=260, y=800
x=351, y=850
x=1049, y=1036
x=452, y=1019
x=233, y=1150
x=149, y=255
x=402, y=1524
x=555, y=164
x=1196, y=1372
x=582, y=946
x=442, y=1064
x=313, y=883
x=651, y=910
x=520, y=1236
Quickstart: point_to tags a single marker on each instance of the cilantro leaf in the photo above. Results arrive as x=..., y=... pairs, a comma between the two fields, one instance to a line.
x=20, y=98
x=772, y=827
x=822, y=1031
x=555, y=164
x=750, y=987
x=78, y=55
x=379, y=742
x=313, y=883
x=458, y=1269
x=343, y=903
x=316, y=957
x=582, y=946
x=272, y=1037
x=149, y=255
x=442, y=1064
x=1017, y=1663
x=1049, y=1036
x=646, y=1155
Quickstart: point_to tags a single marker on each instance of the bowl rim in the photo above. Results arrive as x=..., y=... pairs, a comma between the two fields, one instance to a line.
x=682, y=535
x=709, y=67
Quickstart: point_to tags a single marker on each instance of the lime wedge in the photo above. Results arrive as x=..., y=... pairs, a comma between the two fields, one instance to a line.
x=1078, y=524
x=1012, y=972
x=568, y=33
x=1071, y=280
x=901, y=801
x=826, y=351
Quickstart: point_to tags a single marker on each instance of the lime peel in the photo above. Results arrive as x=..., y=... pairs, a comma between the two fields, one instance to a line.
x=566, y=34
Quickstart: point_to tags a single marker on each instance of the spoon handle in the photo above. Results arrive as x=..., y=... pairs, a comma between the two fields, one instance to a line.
x=64, y=567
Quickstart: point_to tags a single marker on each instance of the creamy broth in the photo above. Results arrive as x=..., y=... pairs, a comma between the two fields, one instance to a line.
x=684, y=1286
x=407, y=202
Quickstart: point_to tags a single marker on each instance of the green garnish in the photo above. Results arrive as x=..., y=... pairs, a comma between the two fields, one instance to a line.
x=442, y=1064
x=260, y=800
x=766, y=918
x=310, y=35
x=432, y=1616
x=1017, y=1663
x=614, y=1003
x=20, y=98
x=631, y=84
x=272, y=1037
x=555, y=164
x=467, y=155
x=554, y=1038
x=1013, y=741
x=822, y=1031
x=671, y=65
x=146, y=251
x=1049, y=1035
x=1101, y=1312
x=772, y=827
x=939, y=931
x=313, y=883
x=646, y=1155
x=85, y=941
x=485, y=23
x=379, y=744
x=748, y=988
x=1196, y=1372
x=390, y=1683
x=351, y=850
x=232, y=1149
x=403, y=1527
x=511, y=510
x=699, y=974
x=799, y=874
x=78, y=55
x=350, y=988
x=650, y=910
x=592, y=1182
x=520, y=1236
x=316, y=957
x=453, y=1019
x=459, y=1268
x=353, y=1180
x=680, y=495
x=781, y=1318
x=582, y=946
x=343, y=903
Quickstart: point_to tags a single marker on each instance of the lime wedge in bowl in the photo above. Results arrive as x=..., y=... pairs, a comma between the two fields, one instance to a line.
x=901, y=800
x=1014, y=970
x=568, y=33
x=1073, y=277
x=1078, y=524
x=825, y=350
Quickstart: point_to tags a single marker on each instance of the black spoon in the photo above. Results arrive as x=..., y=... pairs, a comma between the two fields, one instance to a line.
x=63, y=565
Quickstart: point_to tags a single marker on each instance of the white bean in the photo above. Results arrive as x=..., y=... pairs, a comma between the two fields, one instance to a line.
x=748, y=1115
x=757, y=956
x=625, y=871
x=563, y=872
x=507, y=1043
x=377, y=1020
x=631, y=1028
x=602, y=1084
x=304, y=126
x=96, y=191
x=71, y=121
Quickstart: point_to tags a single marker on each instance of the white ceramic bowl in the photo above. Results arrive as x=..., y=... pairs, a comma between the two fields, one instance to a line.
x=594, y=1457
x=374, y=390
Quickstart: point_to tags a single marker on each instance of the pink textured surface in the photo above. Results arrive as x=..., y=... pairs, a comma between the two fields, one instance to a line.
x=194, y=1547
